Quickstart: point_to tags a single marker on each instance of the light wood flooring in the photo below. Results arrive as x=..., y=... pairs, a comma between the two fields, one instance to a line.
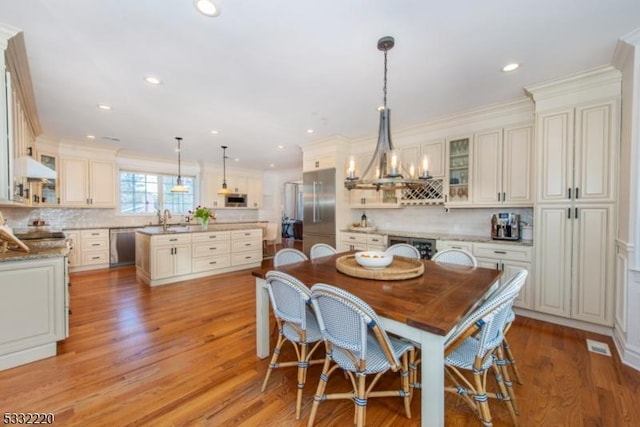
x=184, y=354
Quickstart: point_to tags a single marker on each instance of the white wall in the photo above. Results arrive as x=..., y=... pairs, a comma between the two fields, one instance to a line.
x=627, y=311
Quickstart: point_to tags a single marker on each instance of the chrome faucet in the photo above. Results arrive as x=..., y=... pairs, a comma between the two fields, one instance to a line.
x=165, y=216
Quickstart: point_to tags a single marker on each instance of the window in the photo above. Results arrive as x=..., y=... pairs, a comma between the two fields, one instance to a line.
x=146, y=193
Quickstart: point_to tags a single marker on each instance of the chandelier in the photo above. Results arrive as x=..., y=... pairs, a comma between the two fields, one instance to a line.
x=385, y=170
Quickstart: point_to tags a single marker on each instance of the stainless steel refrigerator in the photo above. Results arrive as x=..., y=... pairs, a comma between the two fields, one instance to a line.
x=319, y=221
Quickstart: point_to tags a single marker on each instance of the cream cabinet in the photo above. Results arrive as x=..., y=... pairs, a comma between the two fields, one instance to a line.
x=502, y=167
x=211, y=251
x=575, y=262
x=167, y=258
x=87, y=182
x=362, y=242
x=509, y=259
x=89, y=249
x=170, y=255
x=317, y=161
x=254, y=192
x=459, y=169
x=435, y=152
x=577, y=153
x=34, y=310
x=246, y=247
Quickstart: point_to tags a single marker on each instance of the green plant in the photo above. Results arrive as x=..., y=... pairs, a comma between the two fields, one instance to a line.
x=203, y=213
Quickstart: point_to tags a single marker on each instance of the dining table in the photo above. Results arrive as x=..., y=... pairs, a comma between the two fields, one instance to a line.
x=425, y=309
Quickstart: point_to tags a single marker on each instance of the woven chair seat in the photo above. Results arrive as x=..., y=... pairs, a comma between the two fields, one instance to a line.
x=376, y=359
x=465, y=354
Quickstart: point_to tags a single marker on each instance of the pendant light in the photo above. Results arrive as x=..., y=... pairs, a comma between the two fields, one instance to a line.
x=179, y=187
x=385, y=170
x=224, y=189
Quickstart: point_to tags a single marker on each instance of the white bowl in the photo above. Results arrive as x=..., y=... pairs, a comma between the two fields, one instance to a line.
x=374, y=259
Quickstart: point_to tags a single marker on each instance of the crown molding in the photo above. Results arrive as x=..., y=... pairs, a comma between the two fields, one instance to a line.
x=598, y=77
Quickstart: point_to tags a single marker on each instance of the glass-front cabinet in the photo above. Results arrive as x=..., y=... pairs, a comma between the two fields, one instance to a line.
x=49, y=188
x=458, y=171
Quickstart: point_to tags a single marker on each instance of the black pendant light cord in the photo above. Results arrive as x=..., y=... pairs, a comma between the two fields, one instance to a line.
x=179, y=150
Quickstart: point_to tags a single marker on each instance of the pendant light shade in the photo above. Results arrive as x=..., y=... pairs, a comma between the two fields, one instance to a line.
x=224, y=189
x=179, y=187
x=385, y=170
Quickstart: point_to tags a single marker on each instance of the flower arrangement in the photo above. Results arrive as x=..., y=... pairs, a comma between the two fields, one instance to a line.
x=203, y=214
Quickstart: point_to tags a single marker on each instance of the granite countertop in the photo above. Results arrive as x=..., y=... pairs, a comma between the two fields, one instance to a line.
x=444, y=236
x=196, y=228
x=251, y=224
x=38, y=250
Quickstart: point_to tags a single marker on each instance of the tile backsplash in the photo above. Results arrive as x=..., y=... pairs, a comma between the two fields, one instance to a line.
x=22, y=218
x=437, y=219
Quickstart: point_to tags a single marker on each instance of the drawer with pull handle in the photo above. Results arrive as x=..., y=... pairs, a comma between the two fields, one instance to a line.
x=504, y=252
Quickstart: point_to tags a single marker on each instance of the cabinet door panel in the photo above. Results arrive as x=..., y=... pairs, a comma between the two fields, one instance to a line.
x=516, y=171
x=487, y=173
x=74, y=181
x=525, y=297
x=435, y=153
x=102, y=183
x=553, y=260
x=555, y=155
x=593, y=279
x=182, y=259
x=594, y=155
x=162, y=262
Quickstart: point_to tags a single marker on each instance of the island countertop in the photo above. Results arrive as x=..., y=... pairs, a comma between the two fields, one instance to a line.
x=196, y=228
x=36, y=251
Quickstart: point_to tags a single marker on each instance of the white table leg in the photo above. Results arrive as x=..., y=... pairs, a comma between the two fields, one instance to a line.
x=432, y=370
x=262, y=318
x=432, y=379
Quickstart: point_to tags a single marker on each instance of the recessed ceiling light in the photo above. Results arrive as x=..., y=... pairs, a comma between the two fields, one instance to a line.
x=309, y=130
x=510, y=67
x=214, y=132
x=91, y=137
x=272, y=165
x=280, y=147
x=104, y=107
x=152, y=80
x=236, y=159
x=207, y=7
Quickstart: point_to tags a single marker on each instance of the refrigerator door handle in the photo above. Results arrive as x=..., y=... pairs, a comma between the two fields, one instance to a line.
x=316, y=211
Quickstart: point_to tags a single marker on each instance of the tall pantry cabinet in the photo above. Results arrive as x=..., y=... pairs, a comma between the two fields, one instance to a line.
x=577, y=143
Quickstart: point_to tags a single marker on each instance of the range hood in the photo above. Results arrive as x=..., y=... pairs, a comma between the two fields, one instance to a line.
x=26, y=166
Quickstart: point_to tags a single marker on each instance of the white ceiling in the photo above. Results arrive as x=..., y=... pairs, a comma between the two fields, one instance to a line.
x=265, y=71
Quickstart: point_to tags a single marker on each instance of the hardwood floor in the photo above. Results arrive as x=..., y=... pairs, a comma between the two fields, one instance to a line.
x=184, y=354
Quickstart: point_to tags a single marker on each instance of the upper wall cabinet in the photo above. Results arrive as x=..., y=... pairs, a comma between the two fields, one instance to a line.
x=575, y=153
x=459, y=169
x=502, y=167
x=87, y=182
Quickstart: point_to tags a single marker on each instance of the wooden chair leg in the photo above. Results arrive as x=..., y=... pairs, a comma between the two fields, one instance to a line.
x=504, y=394
x=274, y=360
x=511, y=360
x=481, y=398
x=503, y=364
x=322, y=384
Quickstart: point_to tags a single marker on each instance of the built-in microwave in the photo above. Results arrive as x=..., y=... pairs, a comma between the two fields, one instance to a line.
x=235, y=200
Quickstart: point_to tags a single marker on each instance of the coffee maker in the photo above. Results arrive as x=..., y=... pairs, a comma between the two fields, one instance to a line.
x=505, y=226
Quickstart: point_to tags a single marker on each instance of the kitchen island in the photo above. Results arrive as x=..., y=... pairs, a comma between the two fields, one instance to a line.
x=35, y=296
x=178, y=253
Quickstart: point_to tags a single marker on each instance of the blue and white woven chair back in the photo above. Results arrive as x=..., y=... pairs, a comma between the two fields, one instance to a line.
x=288, y=256
x=455, y=256
x=321, y=249
x=289, y=297
x=347, y=322
x=404, y=249
x=504, y=294
x=492, y=328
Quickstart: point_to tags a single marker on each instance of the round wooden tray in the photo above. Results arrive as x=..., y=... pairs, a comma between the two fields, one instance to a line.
x=399, y=269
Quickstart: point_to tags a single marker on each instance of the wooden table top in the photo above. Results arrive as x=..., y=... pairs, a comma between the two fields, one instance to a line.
x=434, y=302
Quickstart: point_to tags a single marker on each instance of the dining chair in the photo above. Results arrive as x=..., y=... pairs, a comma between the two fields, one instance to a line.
x=356, y=343
x=270, y=237
x=296, y=321
x=455, y=256
x=403, y=249
x=321, y=249
x=476, y=346
x=288, y=256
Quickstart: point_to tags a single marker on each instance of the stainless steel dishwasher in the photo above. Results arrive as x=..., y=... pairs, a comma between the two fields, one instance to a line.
x=122, y=246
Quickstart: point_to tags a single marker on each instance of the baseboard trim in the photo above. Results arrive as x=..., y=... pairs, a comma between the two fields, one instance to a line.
x=571, y=323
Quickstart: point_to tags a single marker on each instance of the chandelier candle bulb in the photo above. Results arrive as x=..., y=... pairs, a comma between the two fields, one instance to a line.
x=393, y=171
x=412, y=170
